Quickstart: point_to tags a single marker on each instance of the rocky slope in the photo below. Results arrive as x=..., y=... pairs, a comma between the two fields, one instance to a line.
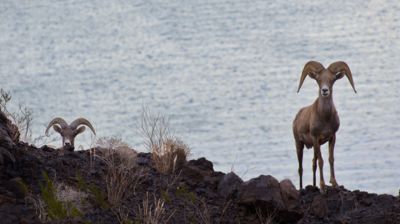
x=192, y=193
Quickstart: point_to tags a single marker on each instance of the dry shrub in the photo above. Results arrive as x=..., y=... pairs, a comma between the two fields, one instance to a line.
x=152, y=212
x=170, y=156
x=168, y=153
x=123, y=174
x=22, y=118
x=71, y=195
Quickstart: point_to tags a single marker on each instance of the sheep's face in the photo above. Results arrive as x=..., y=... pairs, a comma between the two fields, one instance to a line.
x=68, y=135
x=325, y=80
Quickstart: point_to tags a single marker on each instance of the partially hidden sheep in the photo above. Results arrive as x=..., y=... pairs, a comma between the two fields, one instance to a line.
x=69, y=132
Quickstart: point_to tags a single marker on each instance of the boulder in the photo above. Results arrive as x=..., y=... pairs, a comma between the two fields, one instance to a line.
x=229, y=184
x=290, y=195
x=263, y=192
x=197, y=171
x=202, y=164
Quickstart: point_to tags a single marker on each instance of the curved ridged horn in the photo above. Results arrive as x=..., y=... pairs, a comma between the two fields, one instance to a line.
x=57, y=120
x=342, y=67
x=310, y=67
x=81, y=121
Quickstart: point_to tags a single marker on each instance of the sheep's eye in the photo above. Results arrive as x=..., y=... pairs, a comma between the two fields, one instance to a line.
x=337, y=75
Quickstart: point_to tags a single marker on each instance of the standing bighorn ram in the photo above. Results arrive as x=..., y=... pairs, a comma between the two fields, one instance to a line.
x=317, y=124
x=69, y=132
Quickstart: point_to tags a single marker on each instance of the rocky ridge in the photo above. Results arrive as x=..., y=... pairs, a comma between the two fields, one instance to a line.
x=193, y=193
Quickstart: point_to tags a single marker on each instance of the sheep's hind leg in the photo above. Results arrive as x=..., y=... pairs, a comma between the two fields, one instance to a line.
x=314, y=167
x=332, y=160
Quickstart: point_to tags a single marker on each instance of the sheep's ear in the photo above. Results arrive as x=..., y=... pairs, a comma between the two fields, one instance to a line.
x=339, y=75
x=57, y=128
x=79, y=130
x=313, y=75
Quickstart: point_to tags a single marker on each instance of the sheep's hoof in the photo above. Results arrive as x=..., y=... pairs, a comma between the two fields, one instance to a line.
x=322, y=187
x=334, y=183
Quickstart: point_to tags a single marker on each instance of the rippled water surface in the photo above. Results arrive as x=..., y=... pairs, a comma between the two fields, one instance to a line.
x=225, y=72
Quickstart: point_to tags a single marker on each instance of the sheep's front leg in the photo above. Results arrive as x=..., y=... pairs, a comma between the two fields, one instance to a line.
x=332, y=160
x=317, y=149
x=299, y=149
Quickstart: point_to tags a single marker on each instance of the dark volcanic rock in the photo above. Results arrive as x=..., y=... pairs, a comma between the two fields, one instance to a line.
x=289, y=194
x=196, y=171
x=202, y=164
x=291, y=198
x=319, y=206
x=8, y=130
x=263, y=191
x=200, y=176
x=339, y=205
x=229, y=184
x=17, y=212
x=9, y=135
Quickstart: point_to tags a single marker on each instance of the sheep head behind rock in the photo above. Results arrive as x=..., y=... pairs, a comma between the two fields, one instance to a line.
x=69, y=132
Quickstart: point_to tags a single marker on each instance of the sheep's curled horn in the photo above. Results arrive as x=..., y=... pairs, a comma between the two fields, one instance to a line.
x=56, y=121
x=82, y=121
x=342, y=68
x=313, y=67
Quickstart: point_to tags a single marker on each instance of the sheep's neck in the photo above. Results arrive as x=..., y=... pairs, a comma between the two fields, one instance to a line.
x=325, y=107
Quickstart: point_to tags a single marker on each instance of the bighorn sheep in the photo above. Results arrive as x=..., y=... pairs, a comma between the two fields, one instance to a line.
x=316, y=124
x=69, y=132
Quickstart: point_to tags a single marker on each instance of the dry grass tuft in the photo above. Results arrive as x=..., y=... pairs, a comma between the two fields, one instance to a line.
x=122, y=214
x=123, y=174
x=168, y=153
x=170, y=157
x=203, y=212
x=153, y=212
x=38, y=205
x=267, y=218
